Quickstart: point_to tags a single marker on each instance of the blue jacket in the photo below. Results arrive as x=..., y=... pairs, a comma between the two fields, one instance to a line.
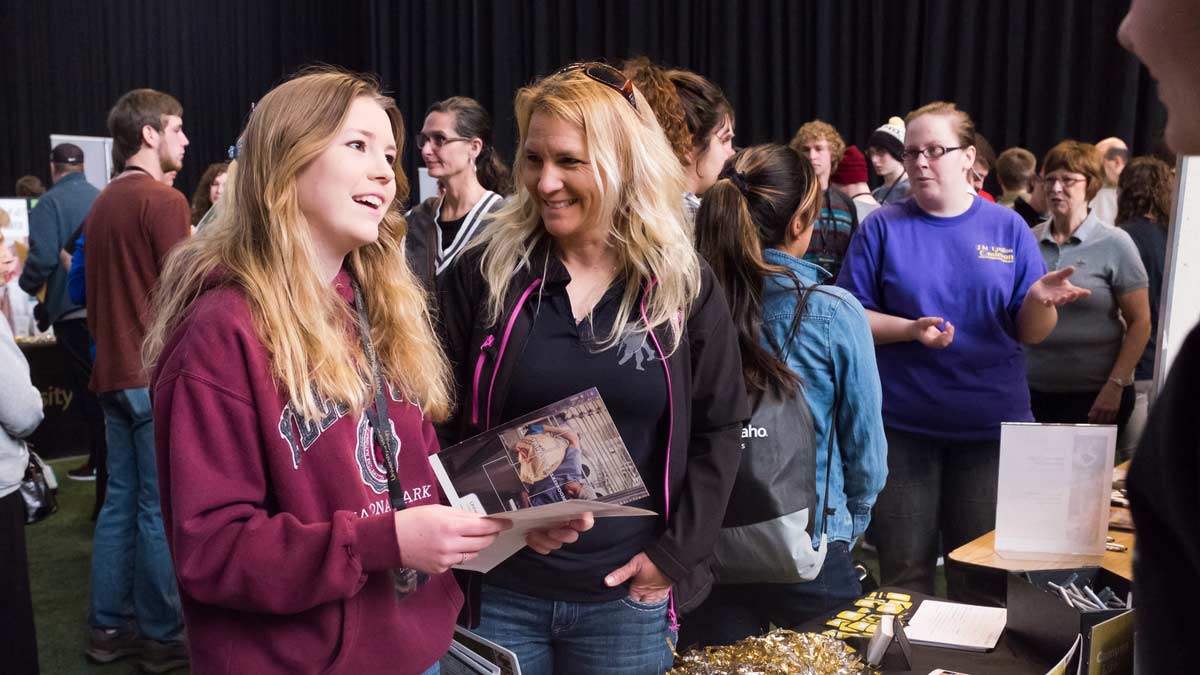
x=76, y=278
x=57, y=215
x=832, y=352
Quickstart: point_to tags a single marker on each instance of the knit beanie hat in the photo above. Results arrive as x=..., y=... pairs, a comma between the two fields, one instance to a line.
x=852, y=169
x=890, y=137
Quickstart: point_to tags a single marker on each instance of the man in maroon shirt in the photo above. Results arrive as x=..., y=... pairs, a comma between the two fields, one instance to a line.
x=131, y=227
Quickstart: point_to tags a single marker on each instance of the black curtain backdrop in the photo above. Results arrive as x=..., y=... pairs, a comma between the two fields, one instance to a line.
x=1030, y=72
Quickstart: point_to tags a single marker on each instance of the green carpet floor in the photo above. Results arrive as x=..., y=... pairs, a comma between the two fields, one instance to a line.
x=60, y=552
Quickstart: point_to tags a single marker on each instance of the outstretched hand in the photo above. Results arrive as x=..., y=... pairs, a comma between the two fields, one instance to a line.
x=1055, y=289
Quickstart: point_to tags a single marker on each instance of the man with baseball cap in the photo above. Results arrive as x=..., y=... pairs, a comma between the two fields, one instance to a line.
x=59, y=213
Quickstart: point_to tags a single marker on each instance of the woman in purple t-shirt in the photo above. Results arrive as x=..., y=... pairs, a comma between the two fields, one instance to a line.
x=944, y=277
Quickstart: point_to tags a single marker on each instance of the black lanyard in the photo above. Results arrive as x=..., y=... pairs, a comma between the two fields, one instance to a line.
x=405, y=580
x=377, y=414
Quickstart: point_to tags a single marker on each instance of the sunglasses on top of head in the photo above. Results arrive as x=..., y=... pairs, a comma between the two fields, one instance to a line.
x=606, y=75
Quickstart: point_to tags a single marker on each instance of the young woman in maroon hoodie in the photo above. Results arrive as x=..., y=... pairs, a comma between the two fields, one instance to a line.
x=307, y=532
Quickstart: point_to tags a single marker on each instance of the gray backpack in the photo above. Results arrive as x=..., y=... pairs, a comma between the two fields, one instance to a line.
x=767, y=534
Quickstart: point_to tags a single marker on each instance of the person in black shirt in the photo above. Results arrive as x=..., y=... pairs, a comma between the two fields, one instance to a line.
x=1165, y=475
x=588, y=278
x=1143, y=210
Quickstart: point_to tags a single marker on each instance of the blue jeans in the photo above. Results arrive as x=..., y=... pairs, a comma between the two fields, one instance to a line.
x=133, y=581
x=735, y=611
x=552, y=637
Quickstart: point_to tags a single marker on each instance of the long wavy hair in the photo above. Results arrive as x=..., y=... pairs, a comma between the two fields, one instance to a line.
x=201, y=201
x=640, y=183
x=688, y=106
x=1145, y=191
x=260, y=242
x=760, y=191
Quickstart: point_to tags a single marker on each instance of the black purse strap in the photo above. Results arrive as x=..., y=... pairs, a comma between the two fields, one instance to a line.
x=837, y=400
x=833, y=420
x=377, y=414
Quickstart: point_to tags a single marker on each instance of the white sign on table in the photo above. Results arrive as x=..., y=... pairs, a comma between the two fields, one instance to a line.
x=1054, y=489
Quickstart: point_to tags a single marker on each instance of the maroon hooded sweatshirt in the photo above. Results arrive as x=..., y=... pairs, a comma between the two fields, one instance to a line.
x=280, y=529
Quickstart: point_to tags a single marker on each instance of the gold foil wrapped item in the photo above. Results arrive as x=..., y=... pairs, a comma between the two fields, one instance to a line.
x=780, y=652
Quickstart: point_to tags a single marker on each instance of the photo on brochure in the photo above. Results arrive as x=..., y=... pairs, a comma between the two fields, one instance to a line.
x=567, y=450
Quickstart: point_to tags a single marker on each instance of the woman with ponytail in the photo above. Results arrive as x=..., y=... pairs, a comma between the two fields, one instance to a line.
x=795, y=335
x=456, y=145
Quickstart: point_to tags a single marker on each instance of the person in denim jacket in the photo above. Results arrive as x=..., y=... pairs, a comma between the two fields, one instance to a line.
x=794, y=331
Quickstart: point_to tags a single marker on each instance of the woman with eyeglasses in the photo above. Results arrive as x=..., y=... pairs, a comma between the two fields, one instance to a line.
x=696, y=117
x=953, y=286
x=1083, y=372
x=456, y=145
x=589, y=278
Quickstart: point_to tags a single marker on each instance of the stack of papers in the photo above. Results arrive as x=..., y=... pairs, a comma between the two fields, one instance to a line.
x=949, y=624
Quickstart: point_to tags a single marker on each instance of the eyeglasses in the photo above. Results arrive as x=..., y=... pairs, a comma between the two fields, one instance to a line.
x=605, y=75
x=931, y=152
x=438, y=140
x=1067, y=181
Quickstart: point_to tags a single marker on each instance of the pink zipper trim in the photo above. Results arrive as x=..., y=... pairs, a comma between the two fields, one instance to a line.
x=487, y=342
x=672, y=618
x=512, y=320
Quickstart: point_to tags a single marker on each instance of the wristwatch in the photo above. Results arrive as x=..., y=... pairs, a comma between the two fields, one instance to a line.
x=1121, y=382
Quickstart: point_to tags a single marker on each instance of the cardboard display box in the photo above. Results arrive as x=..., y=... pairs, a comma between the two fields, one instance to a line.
x=1040, y=617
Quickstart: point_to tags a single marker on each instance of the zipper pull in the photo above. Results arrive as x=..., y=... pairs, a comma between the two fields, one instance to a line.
x=483, y=351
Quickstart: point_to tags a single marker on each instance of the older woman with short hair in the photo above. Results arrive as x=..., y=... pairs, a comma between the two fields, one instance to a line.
x=1083, y=371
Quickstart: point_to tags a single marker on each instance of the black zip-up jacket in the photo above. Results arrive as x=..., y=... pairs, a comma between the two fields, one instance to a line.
x=707, y=398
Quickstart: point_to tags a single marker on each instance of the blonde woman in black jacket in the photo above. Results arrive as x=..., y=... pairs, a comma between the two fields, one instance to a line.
x=590, y=279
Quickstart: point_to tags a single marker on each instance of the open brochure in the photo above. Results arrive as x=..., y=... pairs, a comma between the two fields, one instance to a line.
x=540, y=470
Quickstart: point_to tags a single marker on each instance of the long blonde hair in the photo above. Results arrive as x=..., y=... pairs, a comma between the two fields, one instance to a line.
x=260, y=241
x=641, y=184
